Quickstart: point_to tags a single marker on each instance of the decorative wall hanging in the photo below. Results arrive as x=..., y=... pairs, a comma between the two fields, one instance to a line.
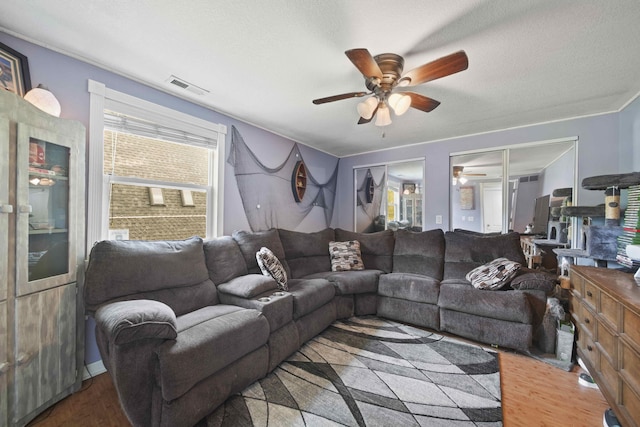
x=266, y=192
x=299, y=181
x=14, y=71
x=369, y=196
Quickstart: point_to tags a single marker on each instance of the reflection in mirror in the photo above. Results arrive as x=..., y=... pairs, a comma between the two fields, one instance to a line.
x=476, y=192
x=534, y=172
x=389, y=197
x=370, y=191
x=405, y=187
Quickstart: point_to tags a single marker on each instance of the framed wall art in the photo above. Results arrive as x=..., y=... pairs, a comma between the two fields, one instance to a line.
x=14, y=71
x=466, y=198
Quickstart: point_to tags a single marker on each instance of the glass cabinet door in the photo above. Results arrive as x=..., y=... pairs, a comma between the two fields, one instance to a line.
x=44, y=211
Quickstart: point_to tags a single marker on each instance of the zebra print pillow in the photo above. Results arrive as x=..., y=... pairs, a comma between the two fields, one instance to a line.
x=493, y=275
x=271, y=266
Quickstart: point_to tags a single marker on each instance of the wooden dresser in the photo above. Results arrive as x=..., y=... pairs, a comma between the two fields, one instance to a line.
x=605, y=306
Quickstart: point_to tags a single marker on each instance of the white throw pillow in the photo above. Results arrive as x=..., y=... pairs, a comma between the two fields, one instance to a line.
x=493, y=275
x=271, y=266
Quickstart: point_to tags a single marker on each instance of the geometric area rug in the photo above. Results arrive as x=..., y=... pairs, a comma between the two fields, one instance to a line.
x=367, y=371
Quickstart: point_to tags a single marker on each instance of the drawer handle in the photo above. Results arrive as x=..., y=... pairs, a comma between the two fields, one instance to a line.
x=587, y=321
x=589, y=348
x=589, y=294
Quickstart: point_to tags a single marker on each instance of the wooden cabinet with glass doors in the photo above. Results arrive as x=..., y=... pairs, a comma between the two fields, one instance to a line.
x=42, y=234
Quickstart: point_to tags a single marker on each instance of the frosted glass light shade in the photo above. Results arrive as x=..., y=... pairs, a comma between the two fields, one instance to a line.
x=383, y=117
x=44, y=100
x=462, y=180
x=367, y=107
x=400, y=103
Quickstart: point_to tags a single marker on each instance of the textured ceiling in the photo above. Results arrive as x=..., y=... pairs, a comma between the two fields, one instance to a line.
x=530, y=61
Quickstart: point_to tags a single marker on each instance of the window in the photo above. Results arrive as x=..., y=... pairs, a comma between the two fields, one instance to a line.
x=155, y=173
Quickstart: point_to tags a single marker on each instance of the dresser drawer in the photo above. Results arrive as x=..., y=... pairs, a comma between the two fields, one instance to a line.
x=589, y=320
x=607, y=343
x=630, y=365
x=631, y=327
x=629, y=402
x=609, y=375
x=576, y=283
x=588, y=348
x=591, y=294
x=610, y=310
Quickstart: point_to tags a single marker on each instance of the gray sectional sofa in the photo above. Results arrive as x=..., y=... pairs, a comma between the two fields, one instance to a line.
x=182, y=325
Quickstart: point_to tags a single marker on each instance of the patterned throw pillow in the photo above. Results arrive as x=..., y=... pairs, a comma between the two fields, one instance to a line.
x=271, y=266
x=494, y=274
x=345, y=256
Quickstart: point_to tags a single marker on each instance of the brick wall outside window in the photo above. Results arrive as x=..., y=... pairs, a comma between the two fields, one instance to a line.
x=130, y=206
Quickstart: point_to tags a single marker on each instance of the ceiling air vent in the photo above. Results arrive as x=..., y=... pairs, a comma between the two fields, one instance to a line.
x=186, y=85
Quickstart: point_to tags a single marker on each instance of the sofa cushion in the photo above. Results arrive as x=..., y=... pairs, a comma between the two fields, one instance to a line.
x=251, y=242
x=219, y=339
x=271, y=267
x=544, y=282
x=309, y=294
x=494, y=274
x=419, y=253
x=224, y=259
x=345, y=256
x=466, y=251
x=351, y=282
x=135, y=269
x=128, y=321
x=248, y=286
x=306, y=253
x=408, y=286
x=376, y=248
x=513, y=306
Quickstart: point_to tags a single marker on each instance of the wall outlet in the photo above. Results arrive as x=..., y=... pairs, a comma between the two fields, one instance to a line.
x=438, y=219
x=469, y=218
x=464, y=218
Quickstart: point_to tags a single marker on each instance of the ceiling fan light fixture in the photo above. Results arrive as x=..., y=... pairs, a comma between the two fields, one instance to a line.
x=404, y=82
x=367, y=107
x=383, y=117
x=462, y=180
x=400, y=103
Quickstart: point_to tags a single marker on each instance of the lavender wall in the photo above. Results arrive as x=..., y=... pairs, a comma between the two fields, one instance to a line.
x=599, y=153
x=630, y=137
x=67, y=79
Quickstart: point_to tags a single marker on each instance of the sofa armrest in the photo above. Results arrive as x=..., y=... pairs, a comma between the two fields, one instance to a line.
x=127, y=321
x=248, y=286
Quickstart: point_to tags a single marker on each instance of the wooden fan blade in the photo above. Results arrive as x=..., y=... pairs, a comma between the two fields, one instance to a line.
x=339, y=97
x=364, y=62
x=421, y=102
x=363, y=121
x=442, y=67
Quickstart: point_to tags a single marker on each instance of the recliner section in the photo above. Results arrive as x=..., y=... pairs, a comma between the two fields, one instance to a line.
x=183, y=325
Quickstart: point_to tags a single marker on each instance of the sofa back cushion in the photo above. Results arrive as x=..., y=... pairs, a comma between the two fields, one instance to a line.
x=224, y=259
x=307, y=253
x=419, y=253
x=251, y=242
x=466, y=251
x=376, y=248
x=171, y=271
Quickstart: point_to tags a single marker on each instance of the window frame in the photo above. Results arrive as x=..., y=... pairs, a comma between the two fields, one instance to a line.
x=103, y=98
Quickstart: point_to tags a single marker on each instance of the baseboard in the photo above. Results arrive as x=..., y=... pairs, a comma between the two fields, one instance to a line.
x=93, y=369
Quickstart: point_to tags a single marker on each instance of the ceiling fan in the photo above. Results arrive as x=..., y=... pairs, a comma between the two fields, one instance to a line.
x=459, y=176
x=383, y=74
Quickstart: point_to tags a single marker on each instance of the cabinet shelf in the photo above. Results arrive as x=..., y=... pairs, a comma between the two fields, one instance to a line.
x=299, y=181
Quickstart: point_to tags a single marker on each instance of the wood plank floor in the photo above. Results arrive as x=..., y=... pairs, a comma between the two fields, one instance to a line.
x=533, y=394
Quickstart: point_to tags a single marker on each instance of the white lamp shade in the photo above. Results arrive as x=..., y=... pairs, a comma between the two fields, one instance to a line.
x=400, y=103
x=44, y=100
x=367, y=107
x=383, y=117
